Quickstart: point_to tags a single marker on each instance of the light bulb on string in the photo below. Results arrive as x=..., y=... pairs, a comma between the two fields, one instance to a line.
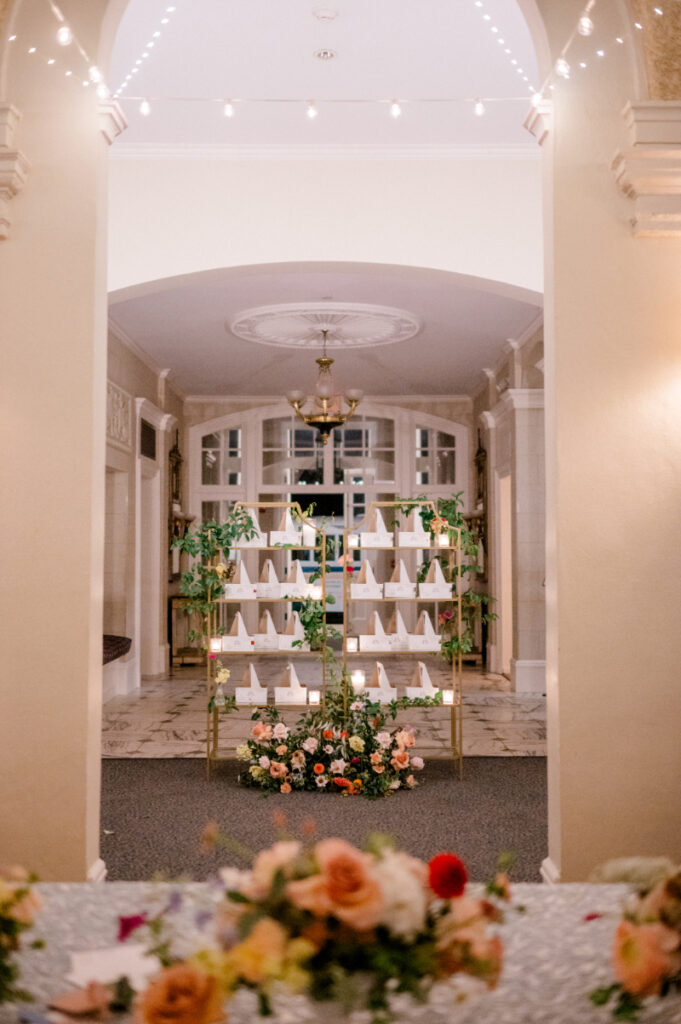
x=312, y=111
x=102, y=91
x=145, y=108
x=64, y=35
x=479, y=108
x=228, y=109
x=585, y=25
x=95, y=74
x=562, y=68
x=395, y=109
x=536, y=99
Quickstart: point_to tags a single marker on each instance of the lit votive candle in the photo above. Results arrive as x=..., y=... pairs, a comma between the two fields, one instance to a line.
x=314, y=696
x=316, y=593
x=353, y=540
x=352, y=645
x=443, y=540
x=358, y=680
x=215, y=644
x=447, y=696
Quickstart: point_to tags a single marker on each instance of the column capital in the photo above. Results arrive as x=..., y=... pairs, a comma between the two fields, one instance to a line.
x=14, y=166
x=539, y=120
x=647, y=170
x=112, y=122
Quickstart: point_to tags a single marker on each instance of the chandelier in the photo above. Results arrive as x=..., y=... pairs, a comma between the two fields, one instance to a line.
x=326, y=411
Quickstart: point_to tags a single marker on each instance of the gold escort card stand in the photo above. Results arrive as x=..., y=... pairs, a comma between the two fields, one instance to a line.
x=263, y=589
x=365, y=591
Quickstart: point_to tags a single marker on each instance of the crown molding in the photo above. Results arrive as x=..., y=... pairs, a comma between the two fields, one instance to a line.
x=160, y=372
x=236, y=151
x=377, y=399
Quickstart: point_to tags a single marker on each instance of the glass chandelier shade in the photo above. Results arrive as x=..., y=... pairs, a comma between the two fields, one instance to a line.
x=326, y=411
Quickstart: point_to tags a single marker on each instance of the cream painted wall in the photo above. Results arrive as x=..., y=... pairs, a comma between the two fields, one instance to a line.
x=613, y=392
x=480, y=217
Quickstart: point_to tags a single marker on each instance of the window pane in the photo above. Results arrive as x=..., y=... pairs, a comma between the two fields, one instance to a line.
x=446, y=467
x=210, y=467
x=446, y=440
x=210, y=441
x=210, y=511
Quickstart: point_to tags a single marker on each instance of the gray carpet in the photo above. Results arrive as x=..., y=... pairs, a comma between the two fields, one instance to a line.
x=153, y=812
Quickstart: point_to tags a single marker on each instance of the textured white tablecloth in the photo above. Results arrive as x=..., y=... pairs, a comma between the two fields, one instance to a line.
x=553, y=956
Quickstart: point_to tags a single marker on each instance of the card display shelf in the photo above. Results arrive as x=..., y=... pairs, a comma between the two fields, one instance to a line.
x=217, y=750
x=452, y=552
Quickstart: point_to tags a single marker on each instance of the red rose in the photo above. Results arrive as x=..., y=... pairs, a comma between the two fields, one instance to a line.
x=447, y=875
x=355, y=760
x=127, y=925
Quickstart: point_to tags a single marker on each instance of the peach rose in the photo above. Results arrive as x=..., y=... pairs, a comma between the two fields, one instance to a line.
x=281, y=749
x=261, y=955
x=379, y=769
x=399, y=760
x=344, y=888
x=278, y=857
x=278, y=770
x=404, y=738
x=261, y=732
x=285, y=788
x=643, y=954
x=181, y=994
x=376, y=758
x=27, y=906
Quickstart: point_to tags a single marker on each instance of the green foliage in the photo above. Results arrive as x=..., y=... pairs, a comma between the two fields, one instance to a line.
x=627, y=1007
x=11, y=929
x=317, y=632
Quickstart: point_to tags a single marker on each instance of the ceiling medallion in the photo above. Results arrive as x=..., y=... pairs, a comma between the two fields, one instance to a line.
x=348, y=325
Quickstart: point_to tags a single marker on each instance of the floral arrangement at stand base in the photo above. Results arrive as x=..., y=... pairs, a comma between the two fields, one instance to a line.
x=338, y=925
x=19, y=904
x=344, y=747
x=646, y=951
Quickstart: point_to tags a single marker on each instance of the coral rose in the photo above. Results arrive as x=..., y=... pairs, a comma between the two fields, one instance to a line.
x=261, y=732
x=447, y=875
x=345, y=887
x=182, y=994
x=400, y=760
x=278, y=770
x=643, y=955
x=261, y=955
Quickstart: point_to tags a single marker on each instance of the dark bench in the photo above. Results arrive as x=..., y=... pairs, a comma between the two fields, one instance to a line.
x=115, y=647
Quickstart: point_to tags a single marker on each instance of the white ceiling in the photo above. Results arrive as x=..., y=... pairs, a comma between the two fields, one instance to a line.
x=263, y=49
x=182, y=323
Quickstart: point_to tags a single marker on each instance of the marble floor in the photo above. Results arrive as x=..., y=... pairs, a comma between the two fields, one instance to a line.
x=167, y=717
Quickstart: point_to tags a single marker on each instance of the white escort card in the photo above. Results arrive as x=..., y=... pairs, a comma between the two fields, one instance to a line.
x=380, y=685
x=309, y=536
x=424, y=637
x=250, y=692
x=375, y=639
x=294, y=584
x=268, y=586
x=237, y=639
x=421, y=683
x=293, y=691
x=435, y=586
x=294, y=631
x=376, y=536
x=398, y=638
x=414, y=536
x=259, y=539
x=240, y=585
x=266, y=638
x=288, y=532
x=364, y=584
x=399, y=584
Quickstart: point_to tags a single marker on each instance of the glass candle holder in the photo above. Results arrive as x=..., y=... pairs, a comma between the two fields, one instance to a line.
x=447, y=696
x=358, y=680
x=215, y=644
x=314, y=696
x=353, y=540
x=443, y=540
x=352, y=645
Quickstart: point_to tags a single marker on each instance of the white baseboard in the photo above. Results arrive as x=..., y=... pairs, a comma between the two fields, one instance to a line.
x=550, y=874
x=528, y=676
x=97, y=872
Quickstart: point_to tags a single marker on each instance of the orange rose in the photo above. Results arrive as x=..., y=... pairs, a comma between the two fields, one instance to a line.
x=181, y=994
x=643, y=954
x=345, y=888
x=285, y=788
x=318, y=769
x=261, y=955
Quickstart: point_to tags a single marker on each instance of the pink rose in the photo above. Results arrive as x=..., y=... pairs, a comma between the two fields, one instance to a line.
x=280, y=731
x=264, y=761
x=345, y=887
x=383, y=739
x=411, y=781
x=310, y=744
x=417, y=763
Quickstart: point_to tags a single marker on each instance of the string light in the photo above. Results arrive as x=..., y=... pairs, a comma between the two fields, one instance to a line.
x=562, y=68
x=585, y=26
x=395, y=109
x=228, y=109
x=479, y=108
x=312, y=111
x=145, y=108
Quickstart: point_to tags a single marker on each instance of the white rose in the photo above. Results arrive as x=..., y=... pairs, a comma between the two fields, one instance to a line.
x=310, y=744
x=384, y=739
x=404, y=895
x=280, y=731
x=264, y=761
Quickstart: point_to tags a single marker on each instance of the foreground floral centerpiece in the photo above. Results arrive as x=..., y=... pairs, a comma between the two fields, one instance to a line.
x=19, y=904
x=646, y=950
x=335, y=923
x=345, y=747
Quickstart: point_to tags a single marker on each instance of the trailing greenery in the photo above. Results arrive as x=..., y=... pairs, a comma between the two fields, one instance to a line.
x=317, y=632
